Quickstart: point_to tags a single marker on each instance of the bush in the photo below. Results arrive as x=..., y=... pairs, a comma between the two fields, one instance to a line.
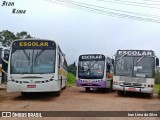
x=157, y=77
x=159, y=90
x=71, y=79
x=71, y=69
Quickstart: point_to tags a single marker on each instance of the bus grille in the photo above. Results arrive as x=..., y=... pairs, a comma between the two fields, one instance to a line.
x=136, y=85
x=130, y=80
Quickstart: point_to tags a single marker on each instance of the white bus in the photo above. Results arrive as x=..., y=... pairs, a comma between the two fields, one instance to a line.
x=135, y=71
x=36, y=65
x=3, y=51
x=94, y=71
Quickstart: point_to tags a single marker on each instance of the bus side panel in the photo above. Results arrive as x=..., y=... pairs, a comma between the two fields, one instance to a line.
x=0, y=73
x=63, y=77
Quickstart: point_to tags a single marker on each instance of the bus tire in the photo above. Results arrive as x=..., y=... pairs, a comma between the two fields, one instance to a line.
x=65, y=85
x=24, y=93
x=58, y=93
x=120, y=93
x=87, y=89
x=149, y=95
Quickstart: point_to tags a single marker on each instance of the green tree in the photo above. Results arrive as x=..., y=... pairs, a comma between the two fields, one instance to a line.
x=7, y=37
x=157, y=81
x=22, y=34
x=157, y=77
x=72, y=69
x=71, y=79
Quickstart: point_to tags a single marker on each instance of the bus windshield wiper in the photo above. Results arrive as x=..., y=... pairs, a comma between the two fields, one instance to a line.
x=139, y=60
x=27, y=55
x=38, y=54
x=121, y=57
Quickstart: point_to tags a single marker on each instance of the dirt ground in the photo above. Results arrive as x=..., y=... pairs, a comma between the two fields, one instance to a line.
x=76, y=99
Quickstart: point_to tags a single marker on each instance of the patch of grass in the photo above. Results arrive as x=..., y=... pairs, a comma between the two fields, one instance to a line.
x=157, y=89
x=71, y=79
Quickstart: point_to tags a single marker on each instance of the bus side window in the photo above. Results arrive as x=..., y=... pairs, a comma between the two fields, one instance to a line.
x=59, y=61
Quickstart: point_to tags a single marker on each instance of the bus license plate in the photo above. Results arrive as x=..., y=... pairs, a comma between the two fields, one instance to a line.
x=132, y=89
x=31, y=86
x=89, y=84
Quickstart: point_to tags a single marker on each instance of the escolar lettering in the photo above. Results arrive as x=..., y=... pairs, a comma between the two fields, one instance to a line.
x=33, y=44
x=137, y=53
x=92, y=57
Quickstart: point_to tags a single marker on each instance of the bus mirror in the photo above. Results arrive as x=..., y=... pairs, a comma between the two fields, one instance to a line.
x=6, y=57
x=64, y=54
x=157, y=62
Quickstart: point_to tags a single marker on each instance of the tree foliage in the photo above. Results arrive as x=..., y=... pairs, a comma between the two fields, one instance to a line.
x=157, y=81
x=23, y=34
x=71, y=79
x=7, y=37
x=72, y=69
x=157, y=77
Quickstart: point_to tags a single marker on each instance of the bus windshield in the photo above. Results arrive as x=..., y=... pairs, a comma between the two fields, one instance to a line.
x=32, y=61
x=92, y=69
x=139, y=66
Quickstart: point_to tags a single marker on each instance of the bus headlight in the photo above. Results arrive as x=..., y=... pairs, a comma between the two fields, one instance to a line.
x=13, y=80
x=51, y=79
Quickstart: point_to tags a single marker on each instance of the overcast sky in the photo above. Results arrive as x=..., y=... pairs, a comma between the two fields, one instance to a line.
x=80, y=32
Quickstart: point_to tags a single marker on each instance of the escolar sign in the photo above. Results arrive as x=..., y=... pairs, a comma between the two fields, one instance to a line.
x=135, y=52
x=92, y=57
x=33, y=44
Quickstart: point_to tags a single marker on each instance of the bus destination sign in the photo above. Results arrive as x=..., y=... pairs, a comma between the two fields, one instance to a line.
x=135, y=52
x=33, y=44
x=92, y=57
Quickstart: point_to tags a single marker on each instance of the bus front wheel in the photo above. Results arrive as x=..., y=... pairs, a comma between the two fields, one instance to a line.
x=149, y=95
x=120, y=93
x=58, y=93
x=111, y=86
x=24, y=93
x=87, y=89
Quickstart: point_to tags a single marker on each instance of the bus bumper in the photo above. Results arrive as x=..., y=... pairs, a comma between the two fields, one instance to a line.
x=91, y=84
x=133, y=89
x=43, y=87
